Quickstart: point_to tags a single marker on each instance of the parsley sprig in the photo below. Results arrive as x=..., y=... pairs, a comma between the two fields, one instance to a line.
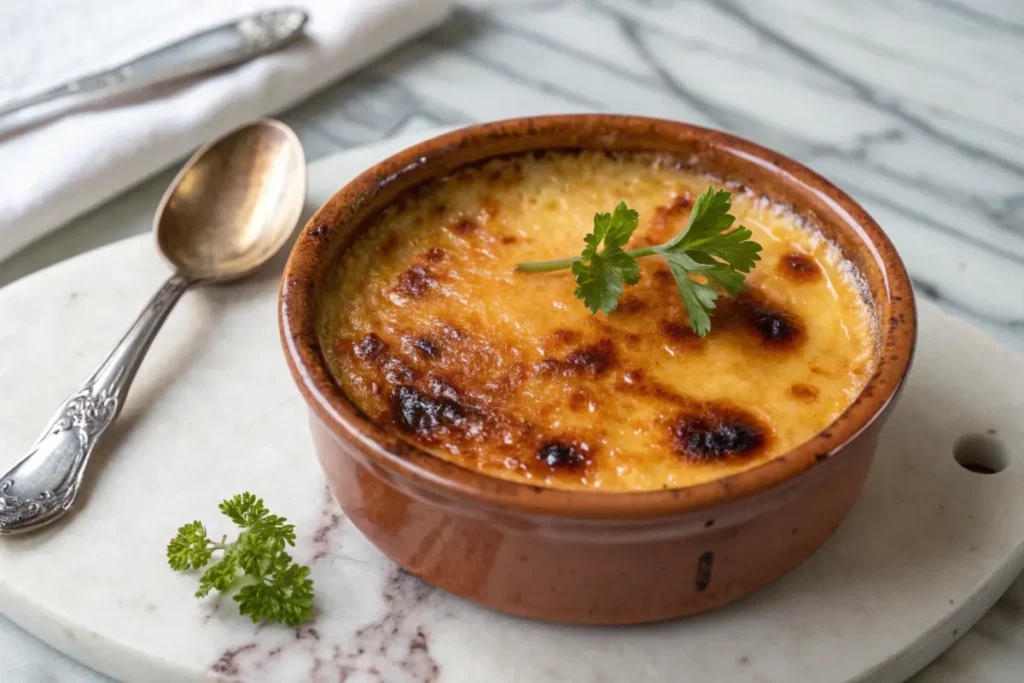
x=273, y=588
x=705, y=248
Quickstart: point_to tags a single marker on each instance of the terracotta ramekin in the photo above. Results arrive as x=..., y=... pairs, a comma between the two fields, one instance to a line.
x=589, y=557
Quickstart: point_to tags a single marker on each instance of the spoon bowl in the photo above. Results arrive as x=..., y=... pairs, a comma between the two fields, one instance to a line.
x=231, y=208
x=234, y=204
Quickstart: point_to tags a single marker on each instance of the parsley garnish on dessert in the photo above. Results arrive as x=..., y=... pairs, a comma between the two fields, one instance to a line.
x=704, y=254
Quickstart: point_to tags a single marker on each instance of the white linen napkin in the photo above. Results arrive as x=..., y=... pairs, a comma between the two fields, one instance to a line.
x=55, y=171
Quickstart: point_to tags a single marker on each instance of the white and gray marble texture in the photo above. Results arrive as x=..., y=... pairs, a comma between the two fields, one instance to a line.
x=914, y=107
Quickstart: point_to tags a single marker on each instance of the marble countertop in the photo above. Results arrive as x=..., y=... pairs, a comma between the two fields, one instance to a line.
x=914, y=107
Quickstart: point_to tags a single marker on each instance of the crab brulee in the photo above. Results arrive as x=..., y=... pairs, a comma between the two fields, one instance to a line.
x=433, y=332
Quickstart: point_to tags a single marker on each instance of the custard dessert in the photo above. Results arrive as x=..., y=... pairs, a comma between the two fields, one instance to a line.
x=432, y=332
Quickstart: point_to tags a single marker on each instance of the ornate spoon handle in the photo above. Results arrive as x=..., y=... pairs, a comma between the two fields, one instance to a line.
x=43, y=485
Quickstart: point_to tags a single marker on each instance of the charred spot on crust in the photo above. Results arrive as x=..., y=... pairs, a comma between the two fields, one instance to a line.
x=375, y=351
x=587, y=361
x=318, y=230
x=441, y=387
x=415, y=282
x=718, y=432
x=804, y=392
x=566, y=336
x=451, y=332
x=773, y=325
x=635, y=382
x=369, y=348
x=591, y=360
x=464, y=226
x=435, y=254
x=631, y=304
x=425, y=347
x=561, y=456
x=663, y=276
x=799, y=268
x=416, y=413
x=664, y=222
x=397, y=372
x=548, y=367
x=680, y=332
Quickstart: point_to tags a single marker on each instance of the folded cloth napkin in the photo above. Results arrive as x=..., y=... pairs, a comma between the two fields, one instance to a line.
x=65, y=166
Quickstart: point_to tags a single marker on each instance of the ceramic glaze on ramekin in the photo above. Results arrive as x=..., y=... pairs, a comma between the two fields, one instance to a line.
x=581, y=556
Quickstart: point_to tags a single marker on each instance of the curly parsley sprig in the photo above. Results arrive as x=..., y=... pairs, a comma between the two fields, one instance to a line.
x=273, y=588
x=703, y=249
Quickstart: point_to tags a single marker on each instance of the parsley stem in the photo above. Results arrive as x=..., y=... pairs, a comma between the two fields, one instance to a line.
x=641, y=251
x=547, y=266
x=561, y=264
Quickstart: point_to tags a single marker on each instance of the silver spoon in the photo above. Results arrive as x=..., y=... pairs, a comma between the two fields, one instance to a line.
x=232, y=207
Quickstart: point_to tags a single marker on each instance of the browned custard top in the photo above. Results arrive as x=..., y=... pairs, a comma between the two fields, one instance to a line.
x=431, y=331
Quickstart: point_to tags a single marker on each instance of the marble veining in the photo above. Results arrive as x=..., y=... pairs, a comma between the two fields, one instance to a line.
x=913, y=106
x=393, y=648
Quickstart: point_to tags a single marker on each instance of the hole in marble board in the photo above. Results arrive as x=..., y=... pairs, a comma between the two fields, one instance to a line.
x=980, y=453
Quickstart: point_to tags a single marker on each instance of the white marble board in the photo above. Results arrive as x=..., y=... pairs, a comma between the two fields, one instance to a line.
x=928, y=548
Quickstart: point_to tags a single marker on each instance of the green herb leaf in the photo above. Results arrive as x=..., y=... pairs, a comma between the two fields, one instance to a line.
x=189, y=547
x=698, y=298
x=218, y=577
x=704, y=249
x=709, y=217
x=284, y=594
x=601, y=273
x=275, y=588
x=704, y=258
x=705, y=233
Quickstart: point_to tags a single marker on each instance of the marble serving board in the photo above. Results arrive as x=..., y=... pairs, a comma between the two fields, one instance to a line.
x=926, y=551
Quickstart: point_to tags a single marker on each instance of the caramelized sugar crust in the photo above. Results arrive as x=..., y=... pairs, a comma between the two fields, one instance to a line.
x=431, y=331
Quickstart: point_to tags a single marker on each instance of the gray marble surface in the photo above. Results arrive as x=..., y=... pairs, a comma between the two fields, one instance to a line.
x=915, y=107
